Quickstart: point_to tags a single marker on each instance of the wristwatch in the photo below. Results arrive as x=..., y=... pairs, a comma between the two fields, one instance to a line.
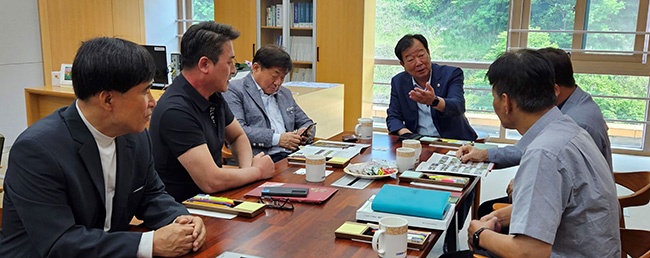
x=435, y=102
x=475, y=239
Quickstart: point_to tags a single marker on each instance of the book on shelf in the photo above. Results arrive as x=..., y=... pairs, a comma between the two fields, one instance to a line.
x=302, y=74
x=337, y=154
x=439, y=163
x=270, y=17
x=301, y=48
x=303, y=14
x=278, y=15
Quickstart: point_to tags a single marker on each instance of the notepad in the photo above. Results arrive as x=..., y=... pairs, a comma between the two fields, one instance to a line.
x=411, y=201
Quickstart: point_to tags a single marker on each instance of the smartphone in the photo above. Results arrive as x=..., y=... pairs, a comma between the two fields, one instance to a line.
x=285, y=191
x=350, y=138
x=308, y=130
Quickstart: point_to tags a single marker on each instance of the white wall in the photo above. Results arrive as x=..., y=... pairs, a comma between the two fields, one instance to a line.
x=160, y=24
x=21, y=63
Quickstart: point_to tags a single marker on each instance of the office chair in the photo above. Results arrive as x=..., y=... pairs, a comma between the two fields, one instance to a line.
x=639, y=184
x=635, y=243
x=226, y=154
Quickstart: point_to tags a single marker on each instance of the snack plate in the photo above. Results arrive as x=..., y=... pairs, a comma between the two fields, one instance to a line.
x=347, y=171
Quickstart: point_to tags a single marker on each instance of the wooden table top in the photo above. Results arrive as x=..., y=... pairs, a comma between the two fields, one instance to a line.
x=308, y=230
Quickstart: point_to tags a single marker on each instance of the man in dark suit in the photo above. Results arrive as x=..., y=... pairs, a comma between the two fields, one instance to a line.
x=426, y=99
x=77, y=177
x=418, y=108
x=267, y=111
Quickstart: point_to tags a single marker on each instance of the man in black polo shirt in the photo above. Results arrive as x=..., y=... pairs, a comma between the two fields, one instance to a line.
x=192, y=120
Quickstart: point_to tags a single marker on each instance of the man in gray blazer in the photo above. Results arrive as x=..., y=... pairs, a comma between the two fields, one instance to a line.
x=77, y=177
x=267, y=111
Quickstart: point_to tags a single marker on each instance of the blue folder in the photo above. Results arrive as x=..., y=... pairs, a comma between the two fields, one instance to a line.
x=411, y=201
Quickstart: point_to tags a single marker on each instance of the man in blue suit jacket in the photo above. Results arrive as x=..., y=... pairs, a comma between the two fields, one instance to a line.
x=427, y=99
x=267, y=111
x=77, y=177
x=417, y=107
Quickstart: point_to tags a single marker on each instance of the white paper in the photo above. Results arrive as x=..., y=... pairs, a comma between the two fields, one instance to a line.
x=302, y=171
x=353, y=182
x=440, y=187
x=213, y=214
x=331, y=149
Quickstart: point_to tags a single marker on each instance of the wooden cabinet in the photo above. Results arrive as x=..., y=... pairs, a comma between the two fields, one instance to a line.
x=322, y=102
x=241, y=15
x=346, y=45
x=67, y=23
x=42, y=101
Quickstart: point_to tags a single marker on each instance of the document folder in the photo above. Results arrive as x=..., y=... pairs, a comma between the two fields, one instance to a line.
x=411, y=201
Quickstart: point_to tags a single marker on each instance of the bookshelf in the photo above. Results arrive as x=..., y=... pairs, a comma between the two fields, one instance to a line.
x=290, y=24
x=344, y=43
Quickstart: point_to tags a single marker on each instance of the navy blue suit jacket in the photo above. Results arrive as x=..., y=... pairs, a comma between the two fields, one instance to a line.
x=452, y=124
x=54, y=192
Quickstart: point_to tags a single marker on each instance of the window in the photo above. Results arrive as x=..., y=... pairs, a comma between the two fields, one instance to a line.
x=191, y=12
x=607, y=39
x=468, y=34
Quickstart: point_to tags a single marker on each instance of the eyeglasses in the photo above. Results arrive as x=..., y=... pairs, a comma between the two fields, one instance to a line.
x=281, y=203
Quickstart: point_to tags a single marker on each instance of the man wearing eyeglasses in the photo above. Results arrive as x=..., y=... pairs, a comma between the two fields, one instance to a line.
x=192, y=120
x=426, y=99
x=271, y=118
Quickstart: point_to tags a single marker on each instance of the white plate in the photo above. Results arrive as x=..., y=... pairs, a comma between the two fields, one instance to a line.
x=347, y=171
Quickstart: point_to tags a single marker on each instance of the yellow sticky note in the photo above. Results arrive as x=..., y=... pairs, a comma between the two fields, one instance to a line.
x=337, y=160
x=249, y=206
x=352, y=228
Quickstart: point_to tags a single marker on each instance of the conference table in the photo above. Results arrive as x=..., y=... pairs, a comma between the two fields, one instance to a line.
x=308, y=230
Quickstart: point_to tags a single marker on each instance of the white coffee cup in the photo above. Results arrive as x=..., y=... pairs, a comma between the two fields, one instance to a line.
x=405, y=158
x=415, y=144
x=390, y=240
x=363, y=129
x=315, y=168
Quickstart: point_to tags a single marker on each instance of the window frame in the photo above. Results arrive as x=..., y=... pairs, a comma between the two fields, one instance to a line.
x=583, y=63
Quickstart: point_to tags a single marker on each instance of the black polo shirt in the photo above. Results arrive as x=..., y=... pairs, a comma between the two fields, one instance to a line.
x=182, y=120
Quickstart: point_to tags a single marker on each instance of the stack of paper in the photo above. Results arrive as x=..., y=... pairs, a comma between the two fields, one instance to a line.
x=366, y=213
x=450, y=164
x=337, y=154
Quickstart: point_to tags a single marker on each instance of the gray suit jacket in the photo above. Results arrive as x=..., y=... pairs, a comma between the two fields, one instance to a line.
x=246, y=104
x=54, y=192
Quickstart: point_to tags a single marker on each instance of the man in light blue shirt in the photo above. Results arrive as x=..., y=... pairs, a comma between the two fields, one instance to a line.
x=564, y=197
x=271, y=118
x=572, y=101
